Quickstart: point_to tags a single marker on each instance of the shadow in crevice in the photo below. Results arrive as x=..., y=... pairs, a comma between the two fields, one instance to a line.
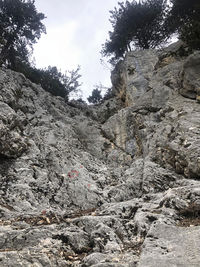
x=190, y=216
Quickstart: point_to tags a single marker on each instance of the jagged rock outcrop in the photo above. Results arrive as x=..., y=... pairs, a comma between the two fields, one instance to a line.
x=111, y=185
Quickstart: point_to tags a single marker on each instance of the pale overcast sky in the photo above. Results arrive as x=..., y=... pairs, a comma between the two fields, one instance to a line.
x=76, y=29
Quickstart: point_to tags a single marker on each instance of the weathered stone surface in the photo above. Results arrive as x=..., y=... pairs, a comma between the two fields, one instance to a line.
x=167, y=245
x=130, y=77
x=190, y=77
x=12, y=141
x=115, y=184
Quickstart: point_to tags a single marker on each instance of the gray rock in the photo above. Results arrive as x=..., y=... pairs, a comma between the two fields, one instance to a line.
x=13, y=143
x=167, y=245
x=115, y=184
x=190, y=77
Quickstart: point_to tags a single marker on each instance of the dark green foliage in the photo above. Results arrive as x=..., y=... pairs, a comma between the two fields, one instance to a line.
x=183, y=11
x=52, y=80
x=184, y=19
x=148, y=24
x=81, y=101
x=190, y=34
x=20, y=27
x=96, y=96
x=109, y=94
x=136, y=24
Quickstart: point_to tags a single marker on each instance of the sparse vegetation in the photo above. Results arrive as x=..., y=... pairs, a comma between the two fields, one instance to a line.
x=95, y=97
x=99, y=94
x=20, y=27
x=52, y=80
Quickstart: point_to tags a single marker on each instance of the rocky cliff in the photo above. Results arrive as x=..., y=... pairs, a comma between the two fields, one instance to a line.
x=113, y=185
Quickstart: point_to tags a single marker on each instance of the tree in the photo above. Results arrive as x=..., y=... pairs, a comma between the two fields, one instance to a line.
x=184, y=20
x=57, y=82
x=138, y=24
x=96, y=96
x=70, y=80
x=20, y=27
x=52, y=80
x=109, y=94
x=182, y=11
x=190, y=34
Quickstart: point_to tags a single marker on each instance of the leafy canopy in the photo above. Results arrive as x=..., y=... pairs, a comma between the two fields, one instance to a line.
x=184, y=19
x=150, y=23
x=138, y=24
x=20, y=28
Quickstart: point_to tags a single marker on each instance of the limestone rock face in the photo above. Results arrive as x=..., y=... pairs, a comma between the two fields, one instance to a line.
x=115, y=184
x=12, y=142
x=190, y=77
